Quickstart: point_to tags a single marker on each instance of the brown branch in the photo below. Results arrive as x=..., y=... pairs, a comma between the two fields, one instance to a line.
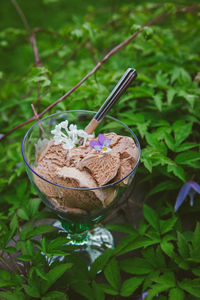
x=99, y=64
x=22, y=16
x=34, y=45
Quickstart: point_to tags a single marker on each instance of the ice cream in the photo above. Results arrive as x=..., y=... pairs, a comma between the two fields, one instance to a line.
x=84, y=167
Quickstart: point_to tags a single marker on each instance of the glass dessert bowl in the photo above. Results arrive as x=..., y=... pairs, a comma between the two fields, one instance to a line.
x=81, y=183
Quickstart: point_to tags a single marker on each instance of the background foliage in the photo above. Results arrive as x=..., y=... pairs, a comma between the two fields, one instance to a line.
x=161, y=256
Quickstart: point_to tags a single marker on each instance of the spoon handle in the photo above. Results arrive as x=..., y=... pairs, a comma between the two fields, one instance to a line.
x=116, y=93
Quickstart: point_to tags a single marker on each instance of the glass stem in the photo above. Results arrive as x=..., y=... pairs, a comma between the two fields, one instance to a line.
x=77, y=231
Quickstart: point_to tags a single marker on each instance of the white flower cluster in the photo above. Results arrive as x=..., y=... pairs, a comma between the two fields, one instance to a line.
x=72, y=136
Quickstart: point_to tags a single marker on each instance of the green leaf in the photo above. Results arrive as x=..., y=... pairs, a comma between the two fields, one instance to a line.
x=98, y=292
x=167, y=225
x=176, y=293
x=130, y=285
x=55, y=295
x=158, y=100
x=123, y=227
x=40, y=272
x=151, y=217
x=100, y=262
x=22, y=214
x=41, y=229
x=191, y=286
x=163, y=186
x=108, y=289
x=112, y=274
x=170, y=95
x=196, y=237
x=181, y=130
x=54, y=274
x=187, y=157
x=129, y=244
x=12, y=296
x=33, y=206
x=182, y=245
x=136, y=265
x=32, y=291
x=168, y=248
x=178, y=171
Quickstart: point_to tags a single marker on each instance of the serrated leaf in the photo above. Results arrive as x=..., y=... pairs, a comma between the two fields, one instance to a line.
x=112, y=274
x=167, y=225
x=130, y=285
x=167, y=248
x=151, y=217
x=158, y=100
x=100, y=263
x=163, y=186
x=108, y=289
x=22, y=214
x=196, y=237
x=54, y=274
x=123, y=227
x=98, y=292
x=136, y=265
x=32, y=291
x=178, y=171
x=182, y=245
x=170, y=95
x=41, y=229
x=55, y=295
x=181, y=130
x=176, y=294
x=33, y=206
x=187, y=157
x=191, y=286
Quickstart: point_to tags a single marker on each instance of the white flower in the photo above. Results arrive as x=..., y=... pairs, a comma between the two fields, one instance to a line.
x=71, y=137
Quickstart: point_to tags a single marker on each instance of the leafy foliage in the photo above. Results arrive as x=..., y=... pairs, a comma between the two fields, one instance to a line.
x=162, y=107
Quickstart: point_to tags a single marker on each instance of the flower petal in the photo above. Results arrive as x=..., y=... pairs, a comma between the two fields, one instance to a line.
x=98, y=147
x=101, y=138
x=195, y=186
x=107, y=142
x=182, y=195
x=93, y=143
x=191, y=194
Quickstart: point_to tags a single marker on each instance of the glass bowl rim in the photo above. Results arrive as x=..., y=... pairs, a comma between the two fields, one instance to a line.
x=81, y=189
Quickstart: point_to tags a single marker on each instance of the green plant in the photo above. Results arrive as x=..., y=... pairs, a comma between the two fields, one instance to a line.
x=162, y=107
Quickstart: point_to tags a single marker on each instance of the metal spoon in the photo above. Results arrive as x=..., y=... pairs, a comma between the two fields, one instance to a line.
x=116, y=93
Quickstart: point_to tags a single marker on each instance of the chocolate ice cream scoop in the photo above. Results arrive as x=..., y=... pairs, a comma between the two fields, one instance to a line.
x=102, y=166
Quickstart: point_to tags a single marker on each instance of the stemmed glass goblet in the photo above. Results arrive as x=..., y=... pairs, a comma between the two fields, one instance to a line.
x=79, y=220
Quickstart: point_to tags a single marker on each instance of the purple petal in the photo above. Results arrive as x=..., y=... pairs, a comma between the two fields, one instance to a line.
x=195, y=186
x=101, y=139
x=143, y=296
x=182, y=195
x=191, y=194
x=93, y=143
x=107, y=142
x=98, y=147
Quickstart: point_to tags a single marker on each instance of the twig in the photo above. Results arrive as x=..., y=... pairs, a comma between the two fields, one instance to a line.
x=16, y=264
x=34, y=45
x=34, y=111
x=22, y=16
x=99, y=64
x=6, y=264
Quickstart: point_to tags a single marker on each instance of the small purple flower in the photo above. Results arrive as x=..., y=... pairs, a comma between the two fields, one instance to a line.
x=189, y=188
x=143, y=296
x=102, y=144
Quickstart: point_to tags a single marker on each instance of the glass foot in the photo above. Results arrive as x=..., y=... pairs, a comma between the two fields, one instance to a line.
x=94, y=243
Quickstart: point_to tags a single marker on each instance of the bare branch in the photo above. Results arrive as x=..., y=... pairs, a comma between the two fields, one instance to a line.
x=22, y=16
